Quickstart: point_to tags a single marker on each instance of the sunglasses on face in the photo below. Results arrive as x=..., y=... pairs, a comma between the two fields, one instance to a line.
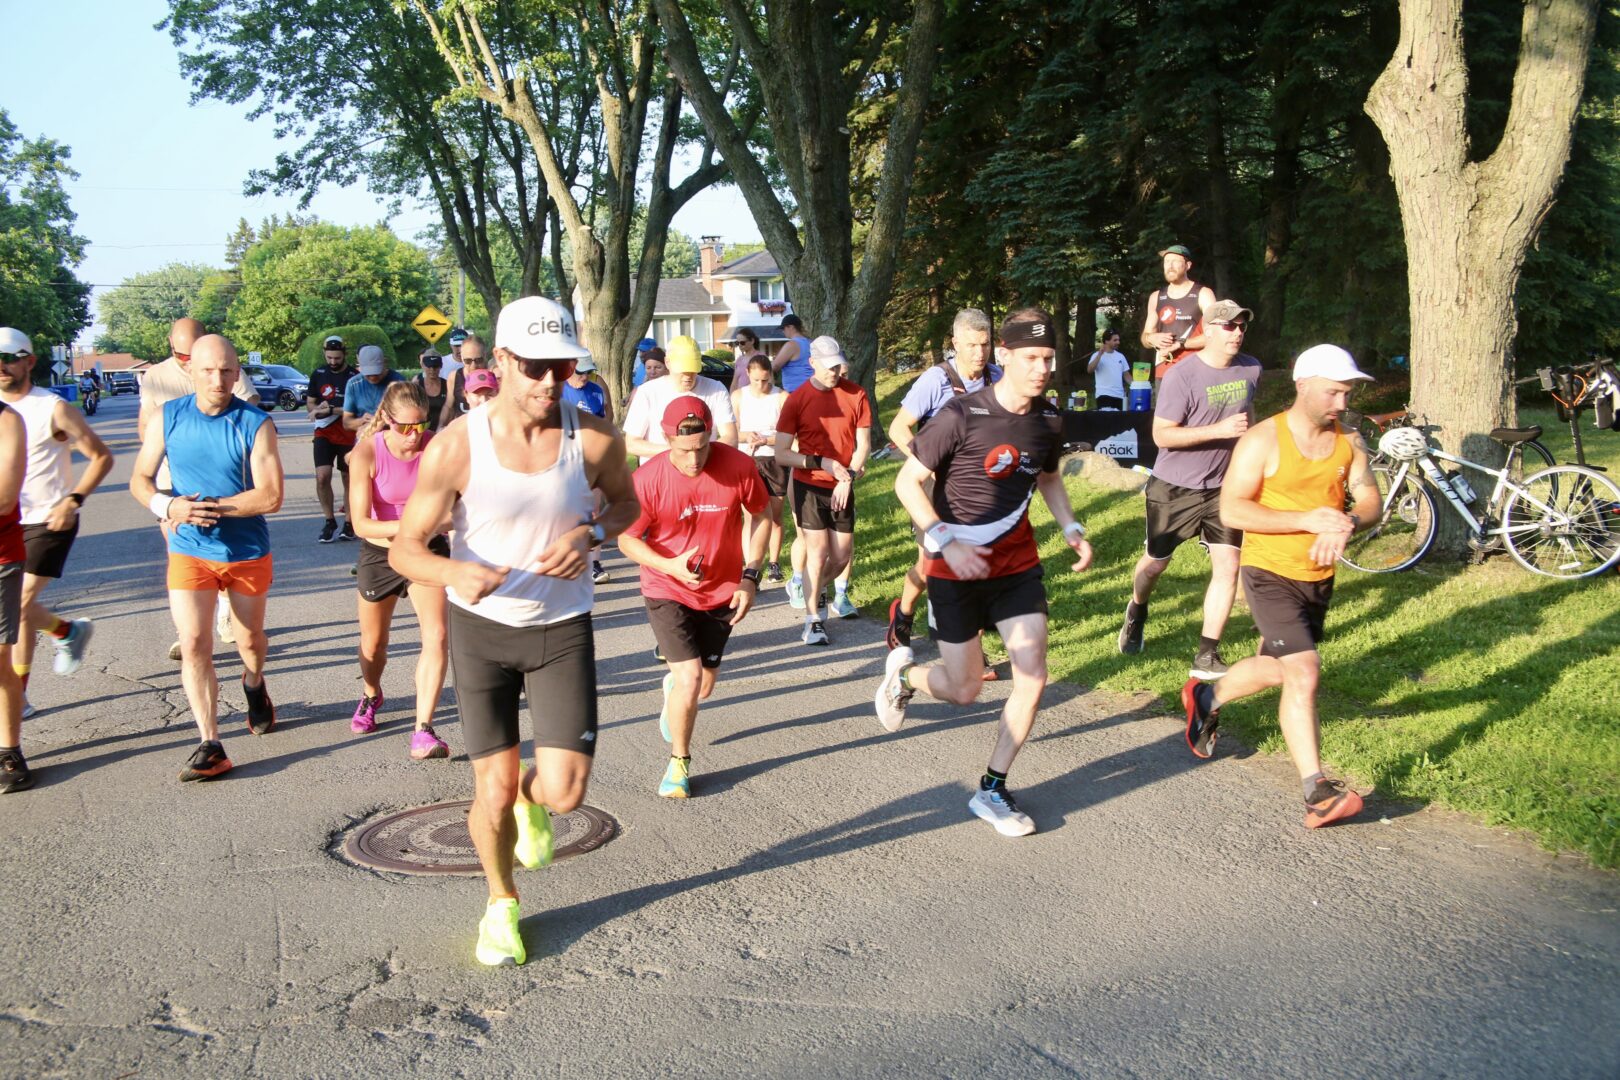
x=14, y=358
x=183, y=357
x=408, y=429
x=538, y=369
x=1233, y=327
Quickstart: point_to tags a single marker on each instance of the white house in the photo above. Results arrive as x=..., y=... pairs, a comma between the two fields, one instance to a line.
x=747, y=291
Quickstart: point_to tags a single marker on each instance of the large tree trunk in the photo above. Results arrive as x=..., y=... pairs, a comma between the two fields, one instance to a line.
x=1468, y=224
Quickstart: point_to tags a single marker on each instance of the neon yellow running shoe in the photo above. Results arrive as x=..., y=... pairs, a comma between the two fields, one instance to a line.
x=500, y=942
x=676, y=783
x=534, y=839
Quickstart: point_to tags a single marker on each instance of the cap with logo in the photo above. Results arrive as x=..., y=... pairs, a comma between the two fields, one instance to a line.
x=481, y=379
x=1227, y=311
x=825, y=352
x=538, y=328
x=15, y=342
x=1176, y=249
x=684, y=408
x=372, y=361
x=645, y=343
x=1328, y=362
x=458, y=335
x=682, y=356
x=331, y=343
x=432, y=359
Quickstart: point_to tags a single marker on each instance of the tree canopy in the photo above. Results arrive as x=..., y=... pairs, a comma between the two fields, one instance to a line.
x=39, y=293
x=138, y=313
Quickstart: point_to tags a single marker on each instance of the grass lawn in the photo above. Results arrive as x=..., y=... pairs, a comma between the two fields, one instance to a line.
x=1489, y=690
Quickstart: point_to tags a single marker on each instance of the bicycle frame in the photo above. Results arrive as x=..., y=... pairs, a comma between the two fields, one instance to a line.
x=1438, y=480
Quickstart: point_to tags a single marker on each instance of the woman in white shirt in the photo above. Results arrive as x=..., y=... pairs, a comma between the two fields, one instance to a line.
x=757, y=404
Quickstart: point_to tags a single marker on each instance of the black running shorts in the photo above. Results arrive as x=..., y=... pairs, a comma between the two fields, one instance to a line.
x=328, y=452
x=47, y=550
x=376, y=580
x=685, y=633
x=1177, y=514
x=961, y=610
x=1288, y=614
x=812, y=508
x=554, y=664
x=773, y=474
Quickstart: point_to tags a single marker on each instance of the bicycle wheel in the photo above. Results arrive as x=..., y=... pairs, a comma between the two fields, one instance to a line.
x=1564, y=522
x=1532, y=458
x=1405, y=529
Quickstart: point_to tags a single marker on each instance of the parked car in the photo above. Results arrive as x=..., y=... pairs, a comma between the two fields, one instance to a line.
x=122, y=382
x=278, y=385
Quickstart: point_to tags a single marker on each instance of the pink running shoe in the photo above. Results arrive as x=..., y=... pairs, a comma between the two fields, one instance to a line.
x=425, y=744
x=365, y=715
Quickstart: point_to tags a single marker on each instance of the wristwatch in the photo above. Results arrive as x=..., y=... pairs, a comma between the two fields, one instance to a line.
x=598, y=534
x=78, y=500
x=941, y=534
x=1075, y=529
x=751, y=574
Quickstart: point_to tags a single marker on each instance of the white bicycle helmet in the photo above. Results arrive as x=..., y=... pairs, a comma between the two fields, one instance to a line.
x=1403, y=444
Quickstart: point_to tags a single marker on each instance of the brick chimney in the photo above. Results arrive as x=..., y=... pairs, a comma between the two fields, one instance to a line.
x=711, y=252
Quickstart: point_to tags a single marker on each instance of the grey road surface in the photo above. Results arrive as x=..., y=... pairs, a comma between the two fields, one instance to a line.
x=824, y=905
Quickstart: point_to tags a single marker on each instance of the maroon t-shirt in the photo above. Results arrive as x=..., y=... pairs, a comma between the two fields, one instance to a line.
x=679, y=512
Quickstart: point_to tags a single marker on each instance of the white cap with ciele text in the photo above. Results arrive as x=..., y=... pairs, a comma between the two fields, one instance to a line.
x=538, y=328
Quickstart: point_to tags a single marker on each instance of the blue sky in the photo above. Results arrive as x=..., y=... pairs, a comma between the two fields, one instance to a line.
x=160, y=179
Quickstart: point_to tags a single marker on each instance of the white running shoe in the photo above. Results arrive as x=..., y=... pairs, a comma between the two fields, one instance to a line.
x=893, y=695
x=224, y=625
x=997, y=807
x=70, y=650
x=814, y=633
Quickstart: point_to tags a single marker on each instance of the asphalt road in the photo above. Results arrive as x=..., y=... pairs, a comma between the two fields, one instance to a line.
x=824, y=905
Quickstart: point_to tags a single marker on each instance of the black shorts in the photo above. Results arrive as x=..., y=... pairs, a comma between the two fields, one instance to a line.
x=11, y=590
x=1288, y=614
x=328, y=452
x=688, y=633
x=554, y=664
x=812, y=509
x=1177, y=514
x=961, y=610
x=1109, y=401
x=774, y=474
x=47, y=550
x=376, y=580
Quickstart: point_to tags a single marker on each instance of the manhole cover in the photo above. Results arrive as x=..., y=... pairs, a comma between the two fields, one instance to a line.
x=434, y=839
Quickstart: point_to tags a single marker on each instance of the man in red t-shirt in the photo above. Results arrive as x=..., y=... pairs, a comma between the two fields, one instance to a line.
x=832, y=420
x=688, y=541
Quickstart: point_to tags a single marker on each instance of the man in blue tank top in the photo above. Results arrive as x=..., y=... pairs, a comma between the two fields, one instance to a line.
x=224, y=463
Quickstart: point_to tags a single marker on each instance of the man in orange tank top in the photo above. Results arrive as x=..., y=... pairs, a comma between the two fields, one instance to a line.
x=1286, y=490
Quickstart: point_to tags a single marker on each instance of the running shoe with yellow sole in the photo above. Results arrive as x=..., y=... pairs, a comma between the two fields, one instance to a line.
x=500, y=939
x=534, y=838
x=677, y=781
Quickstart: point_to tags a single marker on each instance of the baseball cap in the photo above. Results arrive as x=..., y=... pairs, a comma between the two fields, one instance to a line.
x=480, y=379
x=1229, y=311
x=683, y=357
x=1176, y=249
x=585, y=364
x=458, y=335
x=372, y=360
x=333, y=342
x=15, y=342
x=1328, y=362
x=825, y=352
x=538, y=328
x=685, y=407
x=645, y=343
x=432, y=359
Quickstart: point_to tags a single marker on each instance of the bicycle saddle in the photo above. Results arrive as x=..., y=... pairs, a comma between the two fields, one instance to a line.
x=1516, y=434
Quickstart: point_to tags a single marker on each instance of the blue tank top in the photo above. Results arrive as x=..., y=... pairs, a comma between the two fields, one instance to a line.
x=589, y=398
x=211, y=456
x=797, y=372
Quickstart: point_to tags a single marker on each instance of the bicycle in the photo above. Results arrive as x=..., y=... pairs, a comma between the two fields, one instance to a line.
x=1562, y=521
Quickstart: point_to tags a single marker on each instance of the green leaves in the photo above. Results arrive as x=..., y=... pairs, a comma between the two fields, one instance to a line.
x=39, y=293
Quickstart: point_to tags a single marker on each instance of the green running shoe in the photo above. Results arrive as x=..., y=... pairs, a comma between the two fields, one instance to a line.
x=500, y=941
x=534, y=840
x=663, y=714
x=677, y=783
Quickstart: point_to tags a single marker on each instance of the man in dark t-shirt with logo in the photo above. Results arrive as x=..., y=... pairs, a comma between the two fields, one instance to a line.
x=332, y=441
x=988, y=453
x=1205, y=404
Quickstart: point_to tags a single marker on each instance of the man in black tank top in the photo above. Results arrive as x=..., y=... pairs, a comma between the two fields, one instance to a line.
x=474, y=357
x=1175, y=313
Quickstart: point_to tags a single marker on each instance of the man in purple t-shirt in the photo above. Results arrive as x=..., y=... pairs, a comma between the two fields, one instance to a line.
x=1204, y=405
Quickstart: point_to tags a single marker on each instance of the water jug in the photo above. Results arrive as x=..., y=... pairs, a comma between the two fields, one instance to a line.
x=1140, y=398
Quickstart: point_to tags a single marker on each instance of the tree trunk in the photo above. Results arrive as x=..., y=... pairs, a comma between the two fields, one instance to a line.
x=1468, y=224
x=1222, y=251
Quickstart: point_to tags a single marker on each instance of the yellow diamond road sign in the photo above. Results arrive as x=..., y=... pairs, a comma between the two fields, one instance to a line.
x=431, y=324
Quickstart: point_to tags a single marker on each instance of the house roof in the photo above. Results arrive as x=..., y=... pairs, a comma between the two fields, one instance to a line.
x=754, y=264
x=683, y=296
x=118, y=361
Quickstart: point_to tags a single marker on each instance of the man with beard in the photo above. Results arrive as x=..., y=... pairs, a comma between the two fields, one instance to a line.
x=1175, y=313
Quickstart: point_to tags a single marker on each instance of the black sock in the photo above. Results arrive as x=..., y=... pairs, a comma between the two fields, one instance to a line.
x=10, y=750
x=1308, y=784
x=1208, y=644
x=991, y=780
x=1139, y=610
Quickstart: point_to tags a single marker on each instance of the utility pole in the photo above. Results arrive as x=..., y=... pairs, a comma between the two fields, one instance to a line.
x=461, y=298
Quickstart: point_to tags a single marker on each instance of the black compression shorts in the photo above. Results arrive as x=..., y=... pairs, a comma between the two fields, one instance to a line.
x=555, y=665
x=376, y=580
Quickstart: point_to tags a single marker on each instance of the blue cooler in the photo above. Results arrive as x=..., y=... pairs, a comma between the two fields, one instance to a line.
x=1140, y=397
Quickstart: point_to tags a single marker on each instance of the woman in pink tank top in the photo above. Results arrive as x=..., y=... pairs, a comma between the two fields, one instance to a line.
x=382, y=470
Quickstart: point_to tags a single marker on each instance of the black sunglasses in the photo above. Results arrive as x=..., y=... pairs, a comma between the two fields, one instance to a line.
x=14, y=358
x=537, y=369
x=1233, y=327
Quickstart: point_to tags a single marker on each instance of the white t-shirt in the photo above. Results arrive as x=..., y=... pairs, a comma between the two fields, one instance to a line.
x=646, y=415
x=1111, y=370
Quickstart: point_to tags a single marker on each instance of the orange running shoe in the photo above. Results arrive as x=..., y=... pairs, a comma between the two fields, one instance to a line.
x=1330, y=802
x=206, y=762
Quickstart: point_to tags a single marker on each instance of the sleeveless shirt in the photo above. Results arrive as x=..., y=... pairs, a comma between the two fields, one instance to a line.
x=48, y=476
x=758, y=413
x=212, y=456
x=1299, y=484
x=394, y=480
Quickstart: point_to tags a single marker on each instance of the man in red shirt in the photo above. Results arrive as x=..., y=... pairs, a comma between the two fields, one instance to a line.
x=832, y=421
x=688, y=541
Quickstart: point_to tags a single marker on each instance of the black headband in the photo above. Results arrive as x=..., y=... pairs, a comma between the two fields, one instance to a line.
x=1036, y=333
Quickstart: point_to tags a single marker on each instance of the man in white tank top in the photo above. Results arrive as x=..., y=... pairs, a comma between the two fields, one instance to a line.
x=49, y=504
x=519, y=482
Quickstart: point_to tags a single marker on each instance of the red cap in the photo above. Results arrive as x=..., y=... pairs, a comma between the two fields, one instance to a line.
x=685, y=408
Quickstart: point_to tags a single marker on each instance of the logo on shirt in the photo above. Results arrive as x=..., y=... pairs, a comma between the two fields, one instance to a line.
x=700, y=508
x=1231, y=393
x=1002, y=461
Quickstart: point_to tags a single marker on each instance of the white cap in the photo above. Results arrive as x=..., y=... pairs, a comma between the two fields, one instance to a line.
x=825, y=352
x=15, y=342
x=585, y=365
x=372, y=360
x=538, y=328
x=1328, y=362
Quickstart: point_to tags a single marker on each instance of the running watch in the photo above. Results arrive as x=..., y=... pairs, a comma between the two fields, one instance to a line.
x=1075, y=529
x=751, y=574
x=598, y=534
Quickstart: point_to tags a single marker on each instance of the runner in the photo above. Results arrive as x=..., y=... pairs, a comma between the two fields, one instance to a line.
x=14, y=772
x=516, y=480
x=222, y=455
x=988, y=453
x=49, y=505
x=793, y=357
x=1173, y=328
x=1205, y=403
x=455, y=338
x=362, y=396
x=587, y=395
x=1285, y=489
x=965, y=373
x=385, y=461
x=1110, y=367
x=434, y=388
x=745, y=346
x=757, y=405
x=481, y=386
x=642, y=435
x=331, y=440
x=654, y=364
x=689, y=542
x=474, y=357
x=832, y=420
x=638, y=373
